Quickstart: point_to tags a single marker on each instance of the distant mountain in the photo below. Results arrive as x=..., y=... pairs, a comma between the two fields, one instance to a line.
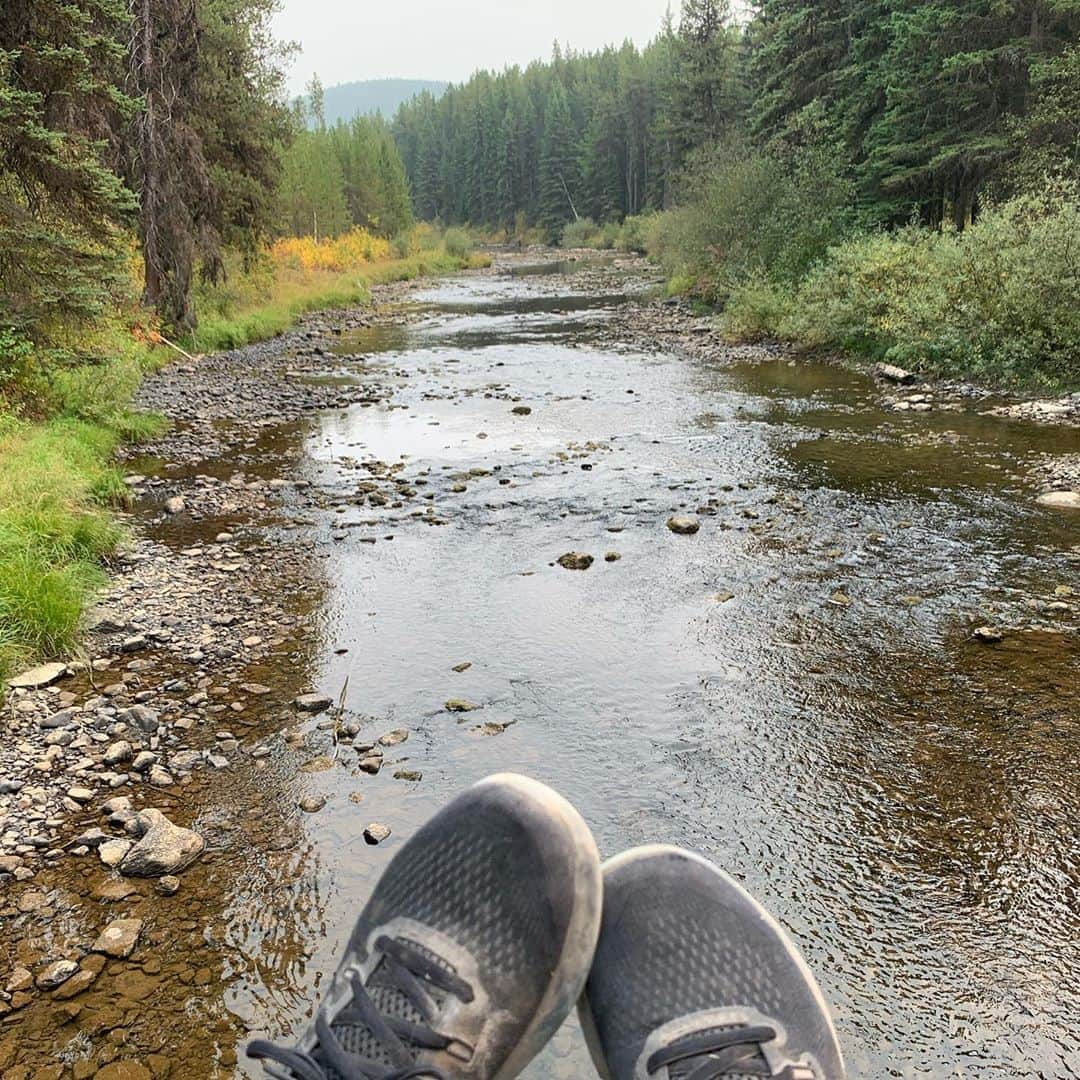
x=347, y=100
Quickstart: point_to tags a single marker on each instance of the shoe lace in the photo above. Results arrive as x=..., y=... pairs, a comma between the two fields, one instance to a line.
x=713, y=1055
x=403, y=968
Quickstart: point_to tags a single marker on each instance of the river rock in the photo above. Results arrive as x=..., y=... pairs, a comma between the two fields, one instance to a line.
x=175, y=505
x=313, y=703
x=312, y=804
x=113, y=852
x=80, y=981
x=684, y=524
x=892, y=373
x=56, y=974
x=118, y=753
x=1061, y=500
x=394, y=738
x=167, y=885
x=38, y=677
x=376, y=833
x=164, y=849
x=118, y=939
x=459, y=705
x=575, y=560
x=989, y=635
x=63, y=718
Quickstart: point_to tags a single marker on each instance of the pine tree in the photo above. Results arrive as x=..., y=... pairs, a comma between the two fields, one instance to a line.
x=707, y=99
x=61, y=63
x=559, y=165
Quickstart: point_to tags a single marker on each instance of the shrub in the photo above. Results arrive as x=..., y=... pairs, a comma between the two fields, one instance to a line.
x=457, y=243
x=997, y=301
x=636, y=232
x=351, y=250
x=580, y=233
x=744, y=214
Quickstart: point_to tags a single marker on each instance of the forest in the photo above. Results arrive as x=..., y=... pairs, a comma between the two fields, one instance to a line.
x=897, y=177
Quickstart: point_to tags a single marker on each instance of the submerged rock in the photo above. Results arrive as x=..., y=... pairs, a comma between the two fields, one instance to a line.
x=118, y=939
x=460, y=705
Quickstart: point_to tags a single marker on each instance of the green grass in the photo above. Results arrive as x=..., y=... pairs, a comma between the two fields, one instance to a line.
x=56, y=486
x=263, y=305
x=61, y=425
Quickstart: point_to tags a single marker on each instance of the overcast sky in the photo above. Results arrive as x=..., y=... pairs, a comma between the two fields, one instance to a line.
x=348, y=40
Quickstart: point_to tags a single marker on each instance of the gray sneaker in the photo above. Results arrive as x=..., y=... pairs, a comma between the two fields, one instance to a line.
x=694, y=980
x=471, y=951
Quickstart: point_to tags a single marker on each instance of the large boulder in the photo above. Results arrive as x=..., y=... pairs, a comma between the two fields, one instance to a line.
x=164, y=848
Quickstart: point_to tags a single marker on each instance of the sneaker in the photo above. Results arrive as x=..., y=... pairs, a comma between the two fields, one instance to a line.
x=472, y=950
x=694, y=980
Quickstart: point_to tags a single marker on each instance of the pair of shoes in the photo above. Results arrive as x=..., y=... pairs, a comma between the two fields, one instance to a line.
x=497, y=917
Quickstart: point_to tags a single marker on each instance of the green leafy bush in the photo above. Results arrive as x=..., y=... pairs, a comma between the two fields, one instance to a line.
x=997, y=301
x=582, y=233
x=457, y=243
x=745, y=214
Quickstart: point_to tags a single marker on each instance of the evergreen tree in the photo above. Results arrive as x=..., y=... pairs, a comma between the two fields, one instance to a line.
x=559, y=165
x=60, y=201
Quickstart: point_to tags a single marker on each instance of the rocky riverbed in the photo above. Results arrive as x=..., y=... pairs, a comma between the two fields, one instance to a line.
x=337, y=606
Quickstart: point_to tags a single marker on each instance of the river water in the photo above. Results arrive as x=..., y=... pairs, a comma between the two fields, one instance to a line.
x=794, y=691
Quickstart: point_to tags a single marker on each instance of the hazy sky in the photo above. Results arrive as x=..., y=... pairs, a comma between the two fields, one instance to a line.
x=347, y=40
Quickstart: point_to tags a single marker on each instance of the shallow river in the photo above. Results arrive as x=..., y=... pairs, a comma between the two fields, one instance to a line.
x=794, y=691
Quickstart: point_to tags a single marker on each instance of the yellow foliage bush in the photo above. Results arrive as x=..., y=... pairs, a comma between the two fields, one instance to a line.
x=349, y=251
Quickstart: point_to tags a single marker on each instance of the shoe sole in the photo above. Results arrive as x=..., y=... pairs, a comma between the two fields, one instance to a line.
x=568, y=978
x=588, y=1023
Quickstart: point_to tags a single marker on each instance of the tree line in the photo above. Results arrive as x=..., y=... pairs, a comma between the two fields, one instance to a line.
x=932, y=105
x=143, y=140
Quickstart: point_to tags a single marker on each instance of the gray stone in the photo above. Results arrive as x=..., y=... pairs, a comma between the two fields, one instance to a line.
x=62, y=719
x=394, y=738
x=36, y=678
x=146, y=720
x=159, y=777
x=113, y=852
x=376, y=833
x=175, y=505
x=118, y=939
x=118, y=753
x=56, y=974
x=164, y=849
x=684, y=524
x=313, y=703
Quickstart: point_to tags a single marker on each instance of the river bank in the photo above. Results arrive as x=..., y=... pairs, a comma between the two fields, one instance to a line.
x=340, y=605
